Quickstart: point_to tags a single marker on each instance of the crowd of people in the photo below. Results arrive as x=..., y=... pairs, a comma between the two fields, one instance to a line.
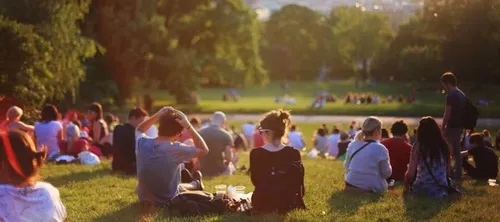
x=170, y=154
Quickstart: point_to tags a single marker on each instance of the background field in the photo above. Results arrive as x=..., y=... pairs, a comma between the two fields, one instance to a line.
x=95, y=194
x=261, y=99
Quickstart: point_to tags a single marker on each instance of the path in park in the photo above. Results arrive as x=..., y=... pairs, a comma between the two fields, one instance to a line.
x=485, y=122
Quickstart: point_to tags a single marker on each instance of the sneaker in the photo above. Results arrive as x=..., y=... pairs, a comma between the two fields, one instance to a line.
x=197, y=176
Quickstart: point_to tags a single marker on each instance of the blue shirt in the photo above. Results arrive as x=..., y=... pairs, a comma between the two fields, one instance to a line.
x=159, y=168
x=456, y=99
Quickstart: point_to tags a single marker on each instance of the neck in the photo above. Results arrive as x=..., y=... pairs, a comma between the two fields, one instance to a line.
x=166, y=139
x=398, y=137
x=370, y=138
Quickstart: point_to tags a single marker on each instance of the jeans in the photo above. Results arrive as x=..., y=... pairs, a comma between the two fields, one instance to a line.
x=453, y=136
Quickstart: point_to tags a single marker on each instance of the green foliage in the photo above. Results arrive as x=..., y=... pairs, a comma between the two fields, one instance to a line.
x=24, y=63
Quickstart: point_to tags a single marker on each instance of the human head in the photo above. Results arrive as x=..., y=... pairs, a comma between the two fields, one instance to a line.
x=14, y=113
x=71, y=116
x=448, y=80
x=137, y=116
x=293, y=128
x=72, y=132
x=219, y=119
x=321, y=132
x=372, y=128
x=19, y=158
x=195, y=122
x=486, y=133
x=49, y=113
x=273, y=125
x=95, y=112
x=430, y=139
x=399, y=128
x=335, y=131
x=476, y=140
x=344, y=136
x=385, y=133
x=109, y=118
x=168, y=125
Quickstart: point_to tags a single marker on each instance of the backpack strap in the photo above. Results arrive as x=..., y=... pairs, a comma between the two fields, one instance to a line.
x=357, y=151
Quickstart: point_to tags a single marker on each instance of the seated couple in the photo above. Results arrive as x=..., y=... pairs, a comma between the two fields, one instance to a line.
x=277, y=171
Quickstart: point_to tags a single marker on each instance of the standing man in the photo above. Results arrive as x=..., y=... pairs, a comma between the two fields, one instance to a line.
x=453, y=124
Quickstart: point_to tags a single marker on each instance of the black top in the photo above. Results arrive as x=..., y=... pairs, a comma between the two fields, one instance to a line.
x=278, y=178
x=497, y=143
x=343, y=148
x=485, y=159
x=456, y=99
x=124, y=148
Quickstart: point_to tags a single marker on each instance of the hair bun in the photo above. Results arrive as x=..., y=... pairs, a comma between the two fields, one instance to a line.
x=283, y=115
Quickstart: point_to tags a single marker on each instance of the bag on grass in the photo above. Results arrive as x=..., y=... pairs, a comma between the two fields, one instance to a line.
x=201, y=203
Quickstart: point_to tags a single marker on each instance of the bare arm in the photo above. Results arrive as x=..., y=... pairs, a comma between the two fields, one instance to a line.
x=412, y=167
x=25, y=127
x=228, y=154
x=198, y=141
x=144, y=126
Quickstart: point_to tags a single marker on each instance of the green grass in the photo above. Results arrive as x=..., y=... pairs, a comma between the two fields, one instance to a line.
x=95, y=194
x=261, y=99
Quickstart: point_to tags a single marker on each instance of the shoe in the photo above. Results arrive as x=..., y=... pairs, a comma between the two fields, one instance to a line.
x=199, y=178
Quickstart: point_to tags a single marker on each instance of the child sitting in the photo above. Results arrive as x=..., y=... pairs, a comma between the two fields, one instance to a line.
x=485, y=159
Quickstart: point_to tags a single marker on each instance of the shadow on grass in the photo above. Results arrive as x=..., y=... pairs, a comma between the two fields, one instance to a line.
x=83, y=176
x=349, y=202
x=129, y=213
x=423, y=208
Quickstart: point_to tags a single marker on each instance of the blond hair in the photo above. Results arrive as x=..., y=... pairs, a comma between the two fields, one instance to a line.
x=370, y=125
x=14, y=112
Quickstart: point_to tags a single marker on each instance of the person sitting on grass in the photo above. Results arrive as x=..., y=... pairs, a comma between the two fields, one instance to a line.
x=220, y=158
x=430, y=161
x=367, y=161
x=13, y=121
x=333, y=143
x=295, y=138
x=399, y=150
x=320, y=142
x=159, y=159
x=49, y=132
x=343, y=144
x=485, y=159
x=124, y=159
x=22, y=196
x=276, y=169
x=74, y=144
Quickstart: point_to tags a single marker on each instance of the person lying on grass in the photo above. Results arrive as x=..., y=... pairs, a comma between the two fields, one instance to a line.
x=159, y=159
x=485, y=159
x=22, y=196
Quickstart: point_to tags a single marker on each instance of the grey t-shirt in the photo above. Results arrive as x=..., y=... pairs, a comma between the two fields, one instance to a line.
x=217, y=140
x=159, y=168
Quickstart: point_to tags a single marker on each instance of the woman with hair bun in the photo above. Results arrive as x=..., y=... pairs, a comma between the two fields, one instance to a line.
x=367, y=160
x=23, y=197
x=276, y=170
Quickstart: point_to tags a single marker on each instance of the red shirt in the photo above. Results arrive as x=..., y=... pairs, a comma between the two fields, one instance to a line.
x=78, y=147
x=258, y=141
x=399, y=154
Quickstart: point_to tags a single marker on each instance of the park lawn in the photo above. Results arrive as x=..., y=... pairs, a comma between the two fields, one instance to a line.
x=261, y=99
x=93, y=193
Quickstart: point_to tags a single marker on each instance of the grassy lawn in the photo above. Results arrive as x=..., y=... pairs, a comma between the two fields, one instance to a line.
x=261, y=99
x=95, y=194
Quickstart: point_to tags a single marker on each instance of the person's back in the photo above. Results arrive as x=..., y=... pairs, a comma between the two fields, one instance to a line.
x=217, y=140
x=124, y=158
x=47, y=135
x=39, y=202
x=485, y=159
x=399, y=154
x=364, y=170
x=424, y=181
x=321, y=143
x=295, y=140
x=333, y=144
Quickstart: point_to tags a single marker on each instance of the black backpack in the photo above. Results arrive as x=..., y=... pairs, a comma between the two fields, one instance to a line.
x=199, y=203
x=471, y=114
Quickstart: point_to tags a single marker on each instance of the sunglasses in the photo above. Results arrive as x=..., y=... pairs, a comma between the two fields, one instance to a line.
x=261, y=131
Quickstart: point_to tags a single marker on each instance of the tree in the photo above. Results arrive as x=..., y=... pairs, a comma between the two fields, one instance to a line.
x=360, y=36
x=56, y=21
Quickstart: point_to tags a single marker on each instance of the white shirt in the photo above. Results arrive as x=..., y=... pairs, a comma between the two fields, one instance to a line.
x=46, y=135
x=295, y=140
x=369, y=168
x=152, y=131
x=333, y=144
x=248, y=129
x=38, y=203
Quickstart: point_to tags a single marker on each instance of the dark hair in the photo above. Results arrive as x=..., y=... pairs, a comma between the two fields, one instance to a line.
x=137, y=113
x=49, y=113
x=109, y=119
x=277, y=121
x=293, y=127
x=168, y=126
x=321, y=132
x=449, y=78
x=476, y=139
x=335, y=131
x=399, y=128
x=96, y=108
x=28, y=159
x=431, y=141
x=195, y=121
x=385, y=133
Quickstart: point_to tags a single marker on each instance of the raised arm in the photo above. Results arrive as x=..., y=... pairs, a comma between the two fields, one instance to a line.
x=198, y=141
x=25, y=127
x=144, y=126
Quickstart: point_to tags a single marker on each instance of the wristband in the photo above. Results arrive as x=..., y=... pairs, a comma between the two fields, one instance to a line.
x=189, y=127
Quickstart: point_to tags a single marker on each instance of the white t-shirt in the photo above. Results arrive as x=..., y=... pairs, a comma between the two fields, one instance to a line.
x=333, y=144
x=248, y=129
x=38, y=203
x=369, y=168
x=295, y=140
x=46, y=135
x=152, y=131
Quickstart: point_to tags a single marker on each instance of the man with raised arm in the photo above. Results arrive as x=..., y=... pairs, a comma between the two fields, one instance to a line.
x=159, y=159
